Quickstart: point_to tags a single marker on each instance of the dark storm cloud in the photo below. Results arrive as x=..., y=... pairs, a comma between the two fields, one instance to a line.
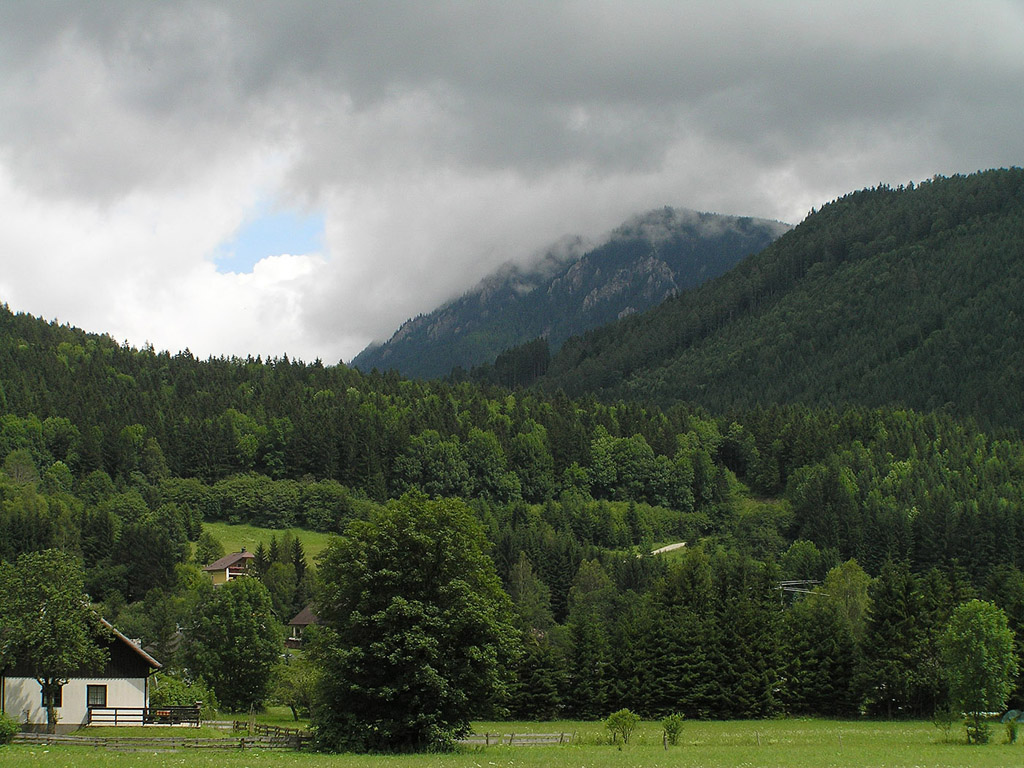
x=529, y=86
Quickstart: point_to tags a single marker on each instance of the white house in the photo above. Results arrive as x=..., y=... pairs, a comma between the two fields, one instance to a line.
x=123, y=684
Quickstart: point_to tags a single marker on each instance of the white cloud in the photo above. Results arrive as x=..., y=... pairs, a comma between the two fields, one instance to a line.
x=140, y=270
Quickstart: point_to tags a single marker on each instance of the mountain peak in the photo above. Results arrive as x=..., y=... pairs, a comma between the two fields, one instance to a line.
x=570, y=287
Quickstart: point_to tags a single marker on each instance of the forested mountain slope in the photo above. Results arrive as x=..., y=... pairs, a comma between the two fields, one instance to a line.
x=117, y=456
x=647, y=259
x=911, y=296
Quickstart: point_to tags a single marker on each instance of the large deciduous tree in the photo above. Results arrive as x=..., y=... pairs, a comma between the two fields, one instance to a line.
x=46, y=623
x=416, y=632
x=980, y=663
x=234, y=641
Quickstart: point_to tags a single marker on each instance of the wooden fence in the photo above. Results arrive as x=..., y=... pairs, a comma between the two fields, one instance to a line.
x=285, y=737
x=165, y=743
x=144, y=715
x=517, y=739
x=260, y=736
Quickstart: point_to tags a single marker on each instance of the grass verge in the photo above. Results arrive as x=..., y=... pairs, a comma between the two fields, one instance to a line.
x=798, y=743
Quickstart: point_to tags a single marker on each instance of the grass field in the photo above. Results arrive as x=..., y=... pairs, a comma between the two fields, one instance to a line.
x=747, y=744
x=234, y=537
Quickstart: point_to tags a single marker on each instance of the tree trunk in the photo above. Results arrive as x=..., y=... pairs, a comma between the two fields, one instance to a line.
x=50, y=689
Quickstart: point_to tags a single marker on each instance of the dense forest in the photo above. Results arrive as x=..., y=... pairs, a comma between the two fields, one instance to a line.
x=908, y=296
x=889, y=517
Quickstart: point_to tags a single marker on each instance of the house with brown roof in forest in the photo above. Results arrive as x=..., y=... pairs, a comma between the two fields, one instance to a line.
x=303, y=619
x=230, y=567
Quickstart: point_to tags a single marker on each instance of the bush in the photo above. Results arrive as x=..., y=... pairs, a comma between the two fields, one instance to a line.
x=945, y=719
x=622, y=723
x=673, y=726
x=1012, y=721
x=8, y=727
x=171, y=690
x=978, y=731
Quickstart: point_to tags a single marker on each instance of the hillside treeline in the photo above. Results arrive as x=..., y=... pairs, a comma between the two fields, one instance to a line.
x=909, y=296
x=119, y=455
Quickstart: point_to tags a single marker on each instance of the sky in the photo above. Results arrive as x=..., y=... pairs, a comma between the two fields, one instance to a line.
x=270, y=178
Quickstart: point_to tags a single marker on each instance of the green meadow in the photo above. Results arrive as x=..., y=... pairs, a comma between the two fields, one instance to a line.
x=793, y=743
x=234, y=537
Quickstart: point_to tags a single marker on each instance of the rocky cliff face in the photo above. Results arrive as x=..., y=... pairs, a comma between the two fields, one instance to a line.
x=572, y=289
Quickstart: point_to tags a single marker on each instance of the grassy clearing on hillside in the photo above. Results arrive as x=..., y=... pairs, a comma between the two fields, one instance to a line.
x=234, y=537
x=795, y=743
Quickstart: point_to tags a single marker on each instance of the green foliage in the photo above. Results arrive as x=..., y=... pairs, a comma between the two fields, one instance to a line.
x=416, y=633
x=899, y=673
x=530, y=596
x=47, y=625
x=822, y=658
x=8, y=728
x=673, y=728
x=294, y=685
x=233, y=642
x=621, y=724
x=945, y=719
x=208, y=549
x=170, y=689
x=846, y=586
x=980, y=663
x=540, y=680
x=157, y=618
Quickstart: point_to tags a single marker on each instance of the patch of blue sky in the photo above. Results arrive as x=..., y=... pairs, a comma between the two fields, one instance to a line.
x=270, y=232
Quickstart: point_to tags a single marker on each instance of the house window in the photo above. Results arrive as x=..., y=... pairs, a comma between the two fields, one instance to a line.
x=96, y=695
x=54, y=699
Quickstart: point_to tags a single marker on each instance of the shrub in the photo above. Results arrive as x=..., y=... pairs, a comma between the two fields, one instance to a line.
x=1012, y=721
x=622, y=723
x=673, y=726
x=172, y=690
x=8, y=727
x=945, y=719
x=977, y=730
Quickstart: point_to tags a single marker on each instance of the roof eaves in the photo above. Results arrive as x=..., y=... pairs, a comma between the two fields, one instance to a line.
x=132, y=644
